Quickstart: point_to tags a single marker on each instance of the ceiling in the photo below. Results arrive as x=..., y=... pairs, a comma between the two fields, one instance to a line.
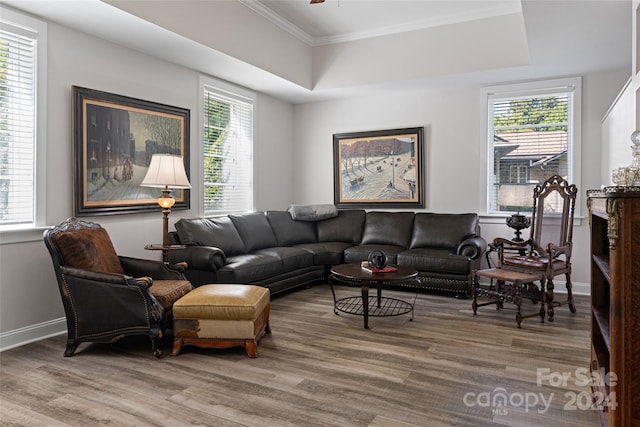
x=336, y=21
x=302, y=52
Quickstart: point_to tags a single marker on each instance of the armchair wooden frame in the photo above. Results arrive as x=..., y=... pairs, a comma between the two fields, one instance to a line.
x=547, y=259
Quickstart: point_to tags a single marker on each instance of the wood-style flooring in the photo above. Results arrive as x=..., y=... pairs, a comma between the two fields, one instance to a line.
x=447, y=367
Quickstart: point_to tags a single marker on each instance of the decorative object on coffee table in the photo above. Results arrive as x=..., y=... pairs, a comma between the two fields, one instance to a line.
x=377, y=260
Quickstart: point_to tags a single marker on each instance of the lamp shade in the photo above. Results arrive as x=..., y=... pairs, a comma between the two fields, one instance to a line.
x=166, y=170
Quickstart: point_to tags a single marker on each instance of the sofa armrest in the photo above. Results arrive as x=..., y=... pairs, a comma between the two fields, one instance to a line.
x=472, y=246
x=200, y=257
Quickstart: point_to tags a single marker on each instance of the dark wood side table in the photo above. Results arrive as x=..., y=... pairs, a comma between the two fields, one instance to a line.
x=364, y=305
x=165, y=249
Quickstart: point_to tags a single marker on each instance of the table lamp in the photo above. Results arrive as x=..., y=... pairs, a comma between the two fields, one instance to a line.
x=166, y=171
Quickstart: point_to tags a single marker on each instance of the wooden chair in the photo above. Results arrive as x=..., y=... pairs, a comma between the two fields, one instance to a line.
x=547, y=252
x=106, y=296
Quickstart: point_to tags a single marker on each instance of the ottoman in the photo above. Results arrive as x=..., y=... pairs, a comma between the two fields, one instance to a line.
x=220, y=316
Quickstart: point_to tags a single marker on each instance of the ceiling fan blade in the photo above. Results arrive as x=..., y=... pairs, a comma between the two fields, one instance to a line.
x=317, y=1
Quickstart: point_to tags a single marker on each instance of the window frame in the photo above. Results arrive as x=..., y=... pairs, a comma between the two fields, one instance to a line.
x=33, y=231
x=233, y=90
x=533, y=88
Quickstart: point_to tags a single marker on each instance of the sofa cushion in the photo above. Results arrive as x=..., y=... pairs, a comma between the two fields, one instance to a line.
x=217, y=232
x=255, y=230
x=292, y=258
x=435, y=260
x=326, y=253
x=431, y=230
x=289, y=232
x=346, y=227
x=361, y=252
x=249, y=268
x=388, y=228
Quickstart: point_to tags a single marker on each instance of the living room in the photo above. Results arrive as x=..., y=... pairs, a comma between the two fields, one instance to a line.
x=293, y=134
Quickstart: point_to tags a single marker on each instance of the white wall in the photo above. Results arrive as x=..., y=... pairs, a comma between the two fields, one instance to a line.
x=294, y=159
x=452, y=118
x=29, y=296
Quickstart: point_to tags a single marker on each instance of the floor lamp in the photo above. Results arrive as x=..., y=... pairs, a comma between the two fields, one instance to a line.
x=166, y=171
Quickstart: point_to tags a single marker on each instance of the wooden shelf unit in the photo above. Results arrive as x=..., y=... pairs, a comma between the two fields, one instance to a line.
x=614, y=221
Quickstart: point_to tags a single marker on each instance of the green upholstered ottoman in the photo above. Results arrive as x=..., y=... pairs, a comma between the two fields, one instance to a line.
x=220, y=316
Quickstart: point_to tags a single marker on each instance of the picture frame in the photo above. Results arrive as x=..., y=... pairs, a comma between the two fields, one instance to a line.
x=114, y=139
x=383, y=168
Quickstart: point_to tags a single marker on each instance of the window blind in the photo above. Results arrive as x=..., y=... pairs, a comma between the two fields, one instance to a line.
x=227, y=152
x=17, y=124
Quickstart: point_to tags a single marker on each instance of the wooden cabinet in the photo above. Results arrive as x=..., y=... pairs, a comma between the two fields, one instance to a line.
x=614, y=220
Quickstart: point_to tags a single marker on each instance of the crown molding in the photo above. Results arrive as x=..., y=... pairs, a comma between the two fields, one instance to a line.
x=506, y=7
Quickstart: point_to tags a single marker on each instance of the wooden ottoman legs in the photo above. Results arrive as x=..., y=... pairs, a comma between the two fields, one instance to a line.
x=249, y=344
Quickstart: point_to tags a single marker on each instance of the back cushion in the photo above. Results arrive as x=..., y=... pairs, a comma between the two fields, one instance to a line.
x=290, y=232
x=254, y=230
x=432, y=230
x=217, y=232
x=89, y=249
x=346, y=227
x=388, y=228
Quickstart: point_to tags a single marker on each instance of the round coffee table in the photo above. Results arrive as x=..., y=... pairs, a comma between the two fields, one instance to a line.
x=378, y=306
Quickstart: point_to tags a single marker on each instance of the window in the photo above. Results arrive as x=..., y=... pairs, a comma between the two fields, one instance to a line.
x=532, y=133
x=22, y=120
x=227, y=148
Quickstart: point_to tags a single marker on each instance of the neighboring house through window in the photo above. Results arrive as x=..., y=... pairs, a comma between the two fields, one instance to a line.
x=227, y=148
x=532, y=133
x=23, y=50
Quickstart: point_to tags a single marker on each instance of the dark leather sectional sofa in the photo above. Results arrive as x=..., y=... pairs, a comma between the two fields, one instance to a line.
x=273, y=250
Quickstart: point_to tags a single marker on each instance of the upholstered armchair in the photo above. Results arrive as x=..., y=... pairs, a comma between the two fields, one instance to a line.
x=106, y=296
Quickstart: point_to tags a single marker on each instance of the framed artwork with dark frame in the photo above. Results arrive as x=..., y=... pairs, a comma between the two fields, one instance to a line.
x=114, y=139
x=376, y=169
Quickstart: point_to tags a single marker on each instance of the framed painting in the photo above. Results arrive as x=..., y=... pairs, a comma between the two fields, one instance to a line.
x=114, y=139
x=379, y=168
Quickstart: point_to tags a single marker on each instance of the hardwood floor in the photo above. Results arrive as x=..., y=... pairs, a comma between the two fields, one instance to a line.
x=444, y=368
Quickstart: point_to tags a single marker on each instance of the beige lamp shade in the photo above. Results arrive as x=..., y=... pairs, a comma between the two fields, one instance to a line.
x=166, y=171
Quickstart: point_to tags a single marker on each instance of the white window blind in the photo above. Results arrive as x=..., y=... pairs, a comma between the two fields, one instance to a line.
x=17, y=124
x=227, y=152
x=531, y=136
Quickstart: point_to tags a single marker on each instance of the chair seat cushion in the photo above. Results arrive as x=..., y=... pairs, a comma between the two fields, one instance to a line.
x=533, y=262
x=168, y=292
x=525, y=261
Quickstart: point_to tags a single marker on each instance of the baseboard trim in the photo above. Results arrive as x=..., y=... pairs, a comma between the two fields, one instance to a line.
x=29, y=334
x=578, y=288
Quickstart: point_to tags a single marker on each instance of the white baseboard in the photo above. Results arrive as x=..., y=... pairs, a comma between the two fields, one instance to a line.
x=578, y=288
x=28, y=334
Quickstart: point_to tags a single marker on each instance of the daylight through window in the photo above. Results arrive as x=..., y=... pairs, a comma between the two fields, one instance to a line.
x=17, y=124
x=531, y=137
x=227, y=152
